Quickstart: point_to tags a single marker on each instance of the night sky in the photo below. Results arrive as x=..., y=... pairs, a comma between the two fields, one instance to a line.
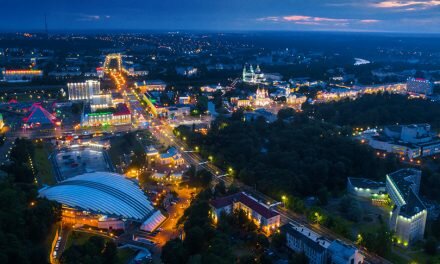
x=416, y=16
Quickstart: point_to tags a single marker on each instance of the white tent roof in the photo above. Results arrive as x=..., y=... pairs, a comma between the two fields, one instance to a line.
x=153, y=221
x=101, y=192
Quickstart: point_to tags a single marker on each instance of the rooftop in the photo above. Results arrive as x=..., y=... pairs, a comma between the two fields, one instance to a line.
x=102, y=193
x=247, y=200
x=405, y=182
x=365, y=183
x=308, y=237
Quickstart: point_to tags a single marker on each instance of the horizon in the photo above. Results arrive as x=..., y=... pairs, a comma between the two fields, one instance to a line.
x=405, y=16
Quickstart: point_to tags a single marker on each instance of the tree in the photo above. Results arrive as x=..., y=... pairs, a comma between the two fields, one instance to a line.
x=110, y=253
x=173, y=252
x=286, y=113
x=378, y=241
x=278, y=240
x=430, y=246
x=299, y=258
x=194, y=240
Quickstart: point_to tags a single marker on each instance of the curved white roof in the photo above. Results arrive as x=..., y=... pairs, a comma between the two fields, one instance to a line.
x=101, y=192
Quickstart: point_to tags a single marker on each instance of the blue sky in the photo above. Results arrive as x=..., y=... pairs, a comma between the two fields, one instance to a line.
x=417, y=16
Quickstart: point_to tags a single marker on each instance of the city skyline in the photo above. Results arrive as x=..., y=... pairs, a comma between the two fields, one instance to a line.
x=417, y=16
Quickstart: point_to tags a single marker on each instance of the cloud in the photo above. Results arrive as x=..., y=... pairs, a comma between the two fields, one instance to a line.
x=313, y=19
x=369, y=21
x=83, y=17
x=270, y=18
x=407, y=5
x=316, y=21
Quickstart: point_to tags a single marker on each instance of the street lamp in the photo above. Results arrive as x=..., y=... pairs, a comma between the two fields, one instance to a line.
x=284, y=199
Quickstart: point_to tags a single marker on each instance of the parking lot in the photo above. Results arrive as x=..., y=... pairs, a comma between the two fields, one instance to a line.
x=77, y=161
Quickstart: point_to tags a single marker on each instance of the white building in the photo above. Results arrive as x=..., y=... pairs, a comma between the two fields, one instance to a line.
x=262, y=98
x=318, y=249
x=102, y=194
x=251, y=76
x=301, y=239
x=152, y=85
x=341, y=253
x=84, y=90
x=413, y=141
x=408, y=217
x=419, y=86
x=187, y=71
x=365, y=188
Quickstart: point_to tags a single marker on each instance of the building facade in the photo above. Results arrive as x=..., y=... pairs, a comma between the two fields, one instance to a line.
x=19, y=75
x=318, y=249
x=263, y=216
x=251, y=76
x=419, y=86
x=408, y=217
x=83, y=91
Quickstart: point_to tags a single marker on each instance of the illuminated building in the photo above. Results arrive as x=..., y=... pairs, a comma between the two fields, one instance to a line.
x=366, y=188
x=38, y=116
x=20, y=75
x=171, y=157
x=336, y=95
x=295, y=100
x=319, y=249
x=211, y=88
x=2, y=123
x=261, y=98
x=83, y=91
x=412, y=141
x=119, y=115
x=408, y=217
x=101, y=101
x=100, y=199
x=176, y=111
x=398, y=88
x=184, y=100
x=243, y=102
x=153, y=85
x=251, y=76
x=135, y=73
x=264, y=217
x=419, y=86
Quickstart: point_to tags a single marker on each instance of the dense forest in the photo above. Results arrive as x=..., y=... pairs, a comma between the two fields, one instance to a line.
x=25, y=219
x=377, y=110
x=301, y=157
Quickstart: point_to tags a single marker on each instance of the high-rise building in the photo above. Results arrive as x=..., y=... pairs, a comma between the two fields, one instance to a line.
x=419, y=86
x=83, y=91
x=408, y=217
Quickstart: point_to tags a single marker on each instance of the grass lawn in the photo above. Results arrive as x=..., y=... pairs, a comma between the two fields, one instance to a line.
x=79, y=238
x=422, y=257
x=43, y=164
x=125, y=255
x=396, y=259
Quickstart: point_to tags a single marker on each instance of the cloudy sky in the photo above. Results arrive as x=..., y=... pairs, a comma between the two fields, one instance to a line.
x=416, y=16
